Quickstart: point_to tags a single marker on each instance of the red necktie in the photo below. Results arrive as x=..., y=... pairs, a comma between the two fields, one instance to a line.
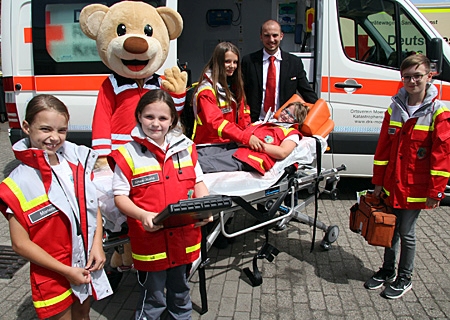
x=269, y=99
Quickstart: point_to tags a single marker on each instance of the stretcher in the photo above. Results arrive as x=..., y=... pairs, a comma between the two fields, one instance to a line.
x=264, y=198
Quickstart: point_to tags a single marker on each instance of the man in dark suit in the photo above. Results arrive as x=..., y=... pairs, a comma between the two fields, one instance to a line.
x=290, y=73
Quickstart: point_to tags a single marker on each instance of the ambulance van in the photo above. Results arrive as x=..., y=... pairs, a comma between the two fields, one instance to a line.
x=352, y=50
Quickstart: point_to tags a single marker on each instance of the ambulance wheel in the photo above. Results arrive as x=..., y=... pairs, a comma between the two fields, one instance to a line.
x=334, y=194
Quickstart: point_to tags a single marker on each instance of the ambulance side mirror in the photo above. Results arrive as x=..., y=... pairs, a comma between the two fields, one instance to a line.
x=435, y=55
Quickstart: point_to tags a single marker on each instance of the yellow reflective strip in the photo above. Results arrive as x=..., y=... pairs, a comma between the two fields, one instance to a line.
x=124, y=152
x=130, y=163
x=286, y=130
x=438, y=112
x=223, y=104
x=223, y=124
x=151, y=257
x=193, y=248
x=52, y=301
x=380, y=163
x=207, y=88
x=440, y=173
x=189, y=149
x=147, y=169
x=409, y=199
x=387, y=192
x=24, y=204
x=259, y=160
x=395, y=124
x=247, y=111
x=198, y=121
x=440, y=10
x=422, y=128
x=194, y=130
x=183, y=164
x=389, y=110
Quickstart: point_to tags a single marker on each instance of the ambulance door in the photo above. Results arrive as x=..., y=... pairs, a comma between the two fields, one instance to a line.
x=17, y=67
x=365, y=49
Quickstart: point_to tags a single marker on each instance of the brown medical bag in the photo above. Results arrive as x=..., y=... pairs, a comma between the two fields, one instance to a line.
x=373, y=219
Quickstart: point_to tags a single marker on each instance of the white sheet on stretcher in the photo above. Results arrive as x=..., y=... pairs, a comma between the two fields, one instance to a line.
x=239, y=183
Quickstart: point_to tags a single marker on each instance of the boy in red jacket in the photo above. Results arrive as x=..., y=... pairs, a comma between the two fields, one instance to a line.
x=411, y=165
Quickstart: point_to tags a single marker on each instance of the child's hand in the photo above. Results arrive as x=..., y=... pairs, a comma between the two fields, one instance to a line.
x=97, y=258
x=256, y=144
x=203, y=222
x=78, y=276
x=432, y=203
x=147, y=222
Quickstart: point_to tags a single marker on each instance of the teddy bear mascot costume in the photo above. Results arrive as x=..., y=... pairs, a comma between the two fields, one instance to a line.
x=132, y=40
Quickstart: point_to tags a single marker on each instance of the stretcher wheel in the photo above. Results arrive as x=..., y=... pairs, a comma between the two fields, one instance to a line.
x=334, y=194
x=331, y=236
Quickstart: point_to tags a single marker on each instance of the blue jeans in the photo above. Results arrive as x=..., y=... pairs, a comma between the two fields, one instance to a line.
x=405, y=237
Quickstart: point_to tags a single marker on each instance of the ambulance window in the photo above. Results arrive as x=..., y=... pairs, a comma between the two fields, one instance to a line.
x=411, y=38
x=370, y=31
x=64, y=40
x=59, y=45
x=366, y=29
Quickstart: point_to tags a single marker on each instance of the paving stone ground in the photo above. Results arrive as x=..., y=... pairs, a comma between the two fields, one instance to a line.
x=297, y=284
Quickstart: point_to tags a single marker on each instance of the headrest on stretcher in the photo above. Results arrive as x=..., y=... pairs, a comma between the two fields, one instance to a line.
x=317, y=122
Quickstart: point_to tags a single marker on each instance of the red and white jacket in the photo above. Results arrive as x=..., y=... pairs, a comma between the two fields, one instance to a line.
x=219, y=122
x=412, y=160
x=157, y=179
x=114, y=112
x=40, y=205
x=270, y=133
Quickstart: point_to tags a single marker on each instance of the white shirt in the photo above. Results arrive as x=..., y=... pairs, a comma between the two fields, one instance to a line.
x=266, y=63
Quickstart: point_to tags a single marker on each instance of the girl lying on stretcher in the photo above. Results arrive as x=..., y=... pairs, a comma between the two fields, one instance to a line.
x=279, y=136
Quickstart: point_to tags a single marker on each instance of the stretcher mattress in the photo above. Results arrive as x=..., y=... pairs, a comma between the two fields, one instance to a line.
x=241, y=183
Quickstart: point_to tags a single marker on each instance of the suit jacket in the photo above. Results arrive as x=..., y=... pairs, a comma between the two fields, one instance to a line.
x=292, y=79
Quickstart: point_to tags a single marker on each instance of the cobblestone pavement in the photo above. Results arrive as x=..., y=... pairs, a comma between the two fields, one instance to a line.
x=297, y=284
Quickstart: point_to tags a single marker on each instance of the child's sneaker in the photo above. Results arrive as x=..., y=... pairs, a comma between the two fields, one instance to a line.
x=398, y=288
x=379, y=278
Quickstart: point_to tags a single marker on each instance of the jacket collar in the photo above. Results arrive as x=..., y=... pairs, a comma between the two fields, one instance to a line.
x=175, y=140
x=221, y=91
x=401, y=99
x=32, y=157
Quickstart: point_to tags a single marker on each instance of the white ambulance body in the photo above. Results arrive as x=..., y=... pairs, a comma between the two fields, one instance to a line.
x=353, y=60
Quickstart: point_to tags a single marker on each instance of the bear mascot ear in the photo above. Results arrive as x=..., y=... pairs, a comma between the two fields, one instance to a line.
x=173, y=21
x=91, y=17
